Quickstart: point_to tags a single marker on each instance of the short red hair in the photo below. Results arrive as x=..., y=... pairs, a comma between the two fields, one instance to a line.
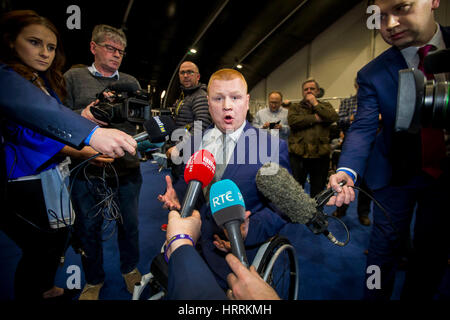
x=227, y=74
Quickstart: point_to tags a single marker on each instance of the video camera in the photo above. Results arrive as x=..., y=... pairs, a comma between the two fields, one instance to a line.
x=126, y=104
x=422, y=102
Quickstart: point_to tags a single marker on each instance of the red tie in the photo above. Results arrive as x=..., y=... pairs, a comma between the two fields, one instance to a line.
x=433, y=143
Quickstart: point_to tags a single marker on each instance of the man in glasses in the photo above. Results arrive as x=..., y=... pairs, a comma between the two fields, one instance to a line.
x=192, y=106
x=83, y=84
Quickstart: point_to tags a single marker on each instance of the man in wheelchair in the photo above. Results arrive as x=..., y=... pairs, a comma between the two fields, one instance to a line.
x=244, y=150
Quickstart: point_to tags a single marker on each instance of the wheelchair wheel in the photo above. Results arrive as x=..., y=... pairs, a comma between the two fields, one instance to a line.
x=276, y=262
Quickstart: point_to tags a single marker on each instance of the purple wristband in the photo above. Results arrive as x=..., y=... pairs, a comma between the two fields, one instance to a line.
x=174, y=238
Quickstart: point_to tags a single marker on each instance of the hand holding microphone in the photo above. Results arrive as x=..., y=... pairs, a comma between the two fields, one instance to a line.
x=176, y=225
x=288, y=196
x=344, y=194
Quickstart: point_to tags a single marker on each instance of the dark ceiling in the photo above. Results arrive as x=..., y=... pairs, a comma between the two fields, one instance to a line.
x=259, y=34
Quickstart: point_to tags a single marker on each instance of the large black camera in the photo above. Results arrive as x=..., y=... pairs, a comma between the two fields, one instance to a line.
x=422, y=102
x=125, y=104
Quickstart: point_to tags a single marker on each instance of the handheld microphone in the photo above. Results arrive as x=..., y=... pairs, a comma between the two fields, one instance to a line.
x=198, y=174
x=288, y=196
x=228, y=210
x=157, y=129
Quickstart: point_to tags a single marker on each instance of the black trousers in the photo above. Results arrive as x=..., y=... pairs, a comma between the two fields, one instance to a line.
x=41, y=246
x=317, y=168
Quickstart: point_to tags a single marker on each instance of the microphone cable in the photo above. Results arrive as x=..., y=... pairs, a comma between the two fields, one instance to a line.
x=104, y=194
x=386, y=214
x=330, y=236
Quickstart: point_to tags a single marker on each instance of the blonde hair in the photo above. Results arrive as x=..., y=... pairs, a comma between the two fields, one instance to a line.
x=227, y=74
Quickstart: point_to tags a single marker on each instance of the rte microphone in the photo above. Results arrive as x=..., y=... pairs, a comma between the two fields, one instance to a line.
x=157, y=129
x=228, y=210
x=288, y=196
x=198, y=174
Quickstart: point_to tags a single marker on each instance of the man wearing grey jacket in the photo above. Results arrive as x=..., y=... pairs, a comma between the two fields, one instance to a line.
x=192, y=106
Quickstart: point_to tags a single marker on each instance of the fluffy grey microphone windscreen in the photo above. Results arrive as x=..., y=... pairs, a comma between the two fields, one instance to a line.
x=280, y=187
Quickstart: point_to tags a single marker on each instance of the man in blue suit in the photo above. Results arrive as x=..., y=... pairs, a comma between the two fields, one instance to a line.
x=393, y=163
x=249, y=148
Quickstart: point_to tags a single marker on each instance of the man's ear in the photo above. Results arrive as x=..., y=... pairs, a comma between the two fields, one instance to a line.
x=435, y=4
x=92, y=47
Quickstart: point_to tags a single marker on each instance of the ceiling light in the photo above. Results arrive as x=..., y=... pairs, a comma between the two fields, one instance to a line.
x=193, y=51
x=239, y=66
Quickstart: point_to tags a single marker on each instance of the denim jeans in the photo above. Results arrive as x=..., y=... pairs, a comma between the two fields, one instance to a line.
x=88, y=225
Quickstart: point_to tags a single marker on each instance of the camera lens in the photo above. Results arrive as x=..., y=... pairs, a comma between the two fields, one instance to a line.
x=441, y=117
x=434, y=109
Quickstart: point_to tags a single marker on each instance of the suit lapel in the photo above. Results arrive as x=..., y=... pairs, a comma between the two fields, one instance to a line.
x=394, y=62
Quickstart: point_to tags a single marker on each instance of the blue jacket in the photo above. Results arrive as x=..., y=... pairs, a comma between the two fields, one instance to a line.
x=23, y=102
x=370, y=154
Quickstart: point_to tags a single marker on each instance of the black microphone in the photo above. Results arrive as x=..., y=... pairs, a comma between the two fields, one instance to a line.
x=119, y=87
x=280, y=187
x=157, y=129
x=228, y=210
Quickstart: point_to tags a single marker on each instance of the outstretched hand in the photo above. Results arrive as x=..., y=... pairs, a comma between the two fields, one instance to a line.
x=169, y=199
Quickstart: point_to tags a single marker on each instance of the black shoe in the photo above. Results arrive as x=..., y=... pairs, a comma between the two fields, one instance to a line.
x=338, y=213
x=364, y=220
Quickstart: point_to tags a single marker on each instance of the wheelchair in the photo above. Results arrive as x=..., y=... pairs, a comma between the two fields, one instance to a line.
x=276, y=262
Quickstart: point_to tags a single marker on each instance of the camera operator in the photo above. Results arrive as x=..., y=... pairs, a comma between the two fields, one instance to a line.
x=395, y=165
x=83, y=84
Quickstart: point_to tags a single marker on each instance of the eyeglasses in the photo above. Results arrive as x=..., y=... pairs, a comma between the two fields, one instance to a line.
x=112, y=49
x=188, y=72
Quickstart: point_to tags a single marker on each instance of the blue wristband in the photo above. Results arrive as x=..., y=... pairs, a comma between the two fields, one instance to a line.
x=349, y=173
x=88, y=138
x=174, y=238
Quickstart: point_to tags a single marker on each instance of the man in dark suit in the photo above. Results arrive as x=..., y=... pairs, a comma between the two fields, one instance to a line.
x=393, y=164
x=249, y=148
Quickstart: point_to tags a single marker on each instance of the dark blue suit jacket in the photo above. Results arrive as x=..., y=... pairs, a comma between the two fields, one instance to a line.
x=23, y=102
x=370, y=154
x=264, y=221
x=26, y=104
x=190, y=277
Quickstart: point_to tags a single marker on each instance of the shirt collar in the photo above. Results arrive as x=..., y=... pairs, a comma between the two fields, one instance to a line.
x=275, y=112
x=410, y=53
x=215, y=133
x=97, y=73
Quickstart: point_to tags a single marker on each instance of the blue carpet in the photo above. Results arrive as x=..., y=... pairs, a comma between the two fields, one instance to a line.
x=327, y=272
